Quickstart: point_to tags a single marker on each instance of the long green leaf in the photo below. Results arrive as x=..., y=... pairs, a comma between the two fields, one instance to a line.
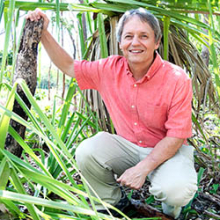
x=42, y=202
x=166, y=25
x=58, y=18
x=213, y=53
x=81, y=36
x=4, y=173
x=1, y=9
x=7, y=37
x=4, y=121
x=102, y=36
x=27, y=5
x=13, y=209
x=27, y=149
x=26, y=109
x=198, y=126
x=71, y=91
x=20, y=189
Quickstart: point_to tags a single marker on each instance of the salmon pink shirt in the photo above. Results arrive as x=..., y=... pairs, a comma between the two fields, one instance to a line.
x=143, y=111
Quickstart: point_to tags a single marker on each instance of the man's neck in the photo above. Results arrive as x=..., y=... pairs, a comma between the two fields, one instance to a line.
x=139, y=71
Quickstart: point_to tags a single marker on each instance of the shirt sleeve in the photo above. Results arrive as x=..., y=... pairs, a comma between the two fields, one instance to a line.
x=179, y=123
x=87, y=74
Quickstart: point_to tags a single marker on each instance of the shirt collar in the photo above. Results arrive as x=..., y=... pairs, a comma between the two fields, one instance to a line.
x=158, y=61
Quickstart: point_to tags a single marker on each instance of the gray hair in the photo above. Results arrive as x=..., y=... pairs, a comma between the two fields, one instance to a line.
x=144, y=16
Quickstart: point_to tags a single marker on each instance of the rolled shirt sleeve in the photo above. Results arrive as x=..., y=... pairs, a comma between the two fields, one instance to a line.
x=179, y=123
x=87, y=74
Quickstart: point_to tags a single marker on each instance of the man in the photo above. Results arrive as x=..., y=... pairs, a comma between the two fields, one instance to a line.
x=149, y=101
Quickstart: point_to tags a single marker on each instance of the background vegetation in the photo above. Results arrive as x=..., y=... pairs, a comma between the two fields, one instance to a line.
x=44, y=183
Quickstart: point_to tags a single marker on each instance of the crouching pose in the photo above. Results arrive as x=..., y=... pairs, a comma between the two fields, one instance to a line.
x=149, y=101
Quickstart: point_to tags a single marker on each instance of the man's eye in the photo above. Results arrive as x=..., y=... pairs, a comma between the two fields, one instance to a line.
x=128, y=37
x=144, y=36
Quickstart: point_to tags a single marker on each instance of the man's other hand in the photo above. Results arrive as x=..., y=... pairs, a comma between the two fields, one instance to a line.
x=132, y=178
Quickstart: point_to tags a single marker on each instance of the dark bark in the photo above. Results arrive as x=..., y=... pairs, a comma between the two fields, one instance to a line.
x=148, y=211
x=26, y=68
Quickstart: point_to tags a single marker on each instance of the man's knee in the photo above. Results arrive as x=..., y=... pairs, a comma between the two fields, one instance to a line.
x=176, y=194
x=86, y=152
x=82, y=153
x=181, y=193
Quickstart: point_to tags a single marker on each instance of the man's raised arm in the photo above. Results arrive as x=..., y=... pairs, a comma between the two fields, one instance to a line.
x=56, y=53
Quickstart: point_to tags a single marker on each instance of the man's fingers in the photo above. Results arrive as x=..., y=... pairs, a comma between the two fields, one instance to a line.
x=119, y=179
x=32, y=16
x=35, y=15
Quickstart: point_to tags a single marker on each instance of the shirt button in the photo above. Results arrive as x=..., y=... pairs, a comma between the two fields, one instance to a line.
x=135, y=85
x=132, y=106
x=135, y=123
x=140, y=142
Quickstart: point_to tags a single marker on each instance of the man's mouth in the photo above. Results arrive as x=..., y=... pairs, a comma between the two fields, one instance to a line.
x=136, y=51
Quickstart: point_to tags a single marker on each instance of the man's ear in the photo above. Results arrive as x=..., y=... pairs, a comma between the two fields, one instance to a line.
x=119, y=45
x=157, y=45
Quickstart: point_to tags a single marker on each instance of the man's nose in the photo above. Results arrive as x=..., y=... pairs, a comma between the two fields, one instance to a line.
x=135, y=40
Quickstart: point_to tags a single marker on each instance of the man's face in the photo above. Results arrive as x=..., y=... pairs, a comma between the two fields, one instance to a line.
x=138, y=42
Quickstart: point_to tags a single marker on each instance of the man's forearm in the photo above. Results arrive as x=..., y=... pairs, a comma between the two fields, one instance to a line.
x=134, y=177
x=163, y=151
x=57, y=54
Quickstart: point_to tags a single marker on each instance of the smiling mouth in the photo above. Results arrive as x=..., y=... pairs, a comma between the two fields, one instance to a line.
x=136, y=51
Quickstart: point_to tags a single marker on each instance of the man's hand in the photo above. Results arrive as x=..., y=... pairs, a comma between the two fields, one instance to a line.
x=133, y=178
x=36, y=15
x=164, y=150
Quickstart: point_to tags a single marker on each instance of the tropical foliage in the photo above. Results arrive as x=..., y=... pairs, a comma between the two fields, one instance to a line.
x=45, y=182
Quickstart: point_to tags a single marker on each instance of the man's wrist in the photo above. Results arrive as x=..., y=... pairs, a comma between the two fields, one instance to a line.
x=143, y=167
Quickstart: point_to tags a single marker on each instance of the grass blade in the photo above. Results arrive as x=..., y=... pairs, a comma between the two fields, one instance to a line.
x=212, y=47
x=7, y=37
x=71, y=91
x=58, y=18
x=2, y=5
x=102, y=36
x=4, y=173
x=5, y=120
x=166, y=25
x=18, y=185
x=43, y=202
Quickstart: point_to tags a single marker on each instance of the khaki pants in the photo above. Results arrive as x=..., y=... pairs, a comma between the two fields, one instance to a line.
x=103, y=156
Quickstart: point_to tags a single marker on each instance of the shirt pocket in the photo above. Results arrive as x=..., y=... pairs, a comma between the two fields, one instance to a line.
x=155, y=116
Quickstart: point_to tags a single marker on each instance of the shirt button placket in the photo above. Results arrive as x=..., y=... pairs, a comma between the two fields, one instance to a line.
x=134, y=110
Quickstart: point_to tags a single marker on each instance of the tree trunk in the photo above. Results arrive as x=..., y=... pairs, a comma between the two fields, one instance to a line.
x=26, y=68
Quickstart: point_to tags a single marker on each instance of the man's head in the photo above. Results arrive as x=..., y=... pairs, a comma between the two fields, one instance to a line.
x=144, y=16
